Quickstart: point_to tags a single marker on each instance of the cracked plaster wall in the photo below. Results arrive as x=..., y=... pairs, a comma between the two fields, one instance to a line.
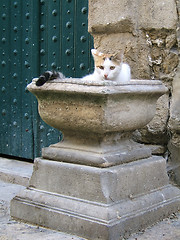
x=148, y=34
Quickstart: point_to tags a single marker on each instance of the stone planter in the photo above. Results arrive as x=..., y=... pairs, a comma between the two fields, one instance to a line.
x=97, y=118
x=97, y=183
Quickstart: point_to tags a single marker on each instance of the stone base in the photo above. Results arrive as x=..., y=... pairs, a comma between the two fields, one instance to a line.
x=99, y=150
x=97, y=203
x=90, y=219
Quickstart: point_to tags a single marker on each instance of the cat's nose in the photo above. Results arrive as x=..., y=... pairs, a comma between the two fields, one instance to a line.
x=105, y=76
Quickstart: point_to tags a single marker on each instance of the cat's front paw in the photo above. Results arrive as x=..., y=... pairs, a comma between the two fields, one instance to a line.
x=41, y=81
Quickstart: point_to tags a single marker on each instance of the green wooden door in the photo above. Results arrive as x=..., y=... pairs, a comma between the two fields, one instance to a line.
x=36, y=36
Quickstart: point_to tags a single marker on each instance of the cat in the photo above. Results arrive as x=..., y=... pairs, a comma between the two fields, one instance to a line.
x=107, y=67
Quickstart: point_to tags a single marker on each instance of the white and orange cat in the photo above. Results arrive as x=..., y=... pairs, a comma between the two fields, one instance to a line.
x=107, y=67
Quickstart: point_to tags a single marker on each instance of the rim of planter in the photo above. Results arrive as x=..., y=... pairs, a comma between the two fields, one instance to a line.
x=99, y=87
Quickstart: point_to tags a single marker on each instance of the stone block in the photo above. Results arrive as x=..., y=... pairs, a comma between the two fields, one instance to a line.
x=111, y=17
x=129, y=16
x=160, y=14
x=97, y=203
x=105, y=185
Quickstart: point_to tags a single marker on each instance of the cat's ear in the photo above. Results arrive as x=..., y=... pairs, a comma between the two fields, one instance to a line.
x=96, y=53
x=117, y=57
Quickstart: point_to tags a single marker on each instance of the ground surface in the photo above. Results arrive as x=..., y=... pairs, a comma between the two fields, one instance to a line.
x=13, y=230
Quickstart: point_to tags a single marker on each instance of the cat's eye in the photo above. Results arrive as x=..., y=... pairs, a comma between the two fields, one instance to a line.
x=101, y=67
x=112, y=67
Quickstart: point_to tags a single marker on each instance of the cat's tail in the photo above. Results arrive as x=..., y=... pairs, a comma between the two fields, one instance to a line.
x=48, y=75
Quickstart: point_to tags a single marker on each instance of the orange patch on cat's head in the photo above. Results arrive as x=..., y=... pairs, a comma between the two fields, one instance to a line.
x=100, y=57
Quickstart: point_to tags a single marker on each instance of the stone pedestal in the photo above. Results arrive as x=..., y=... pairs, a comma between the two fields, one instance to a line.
x=97, y=183
x=97, y=203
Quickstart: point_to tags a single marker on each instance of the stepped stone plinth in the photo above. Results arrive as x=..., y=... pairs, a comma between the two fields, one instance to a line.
x=97, y=182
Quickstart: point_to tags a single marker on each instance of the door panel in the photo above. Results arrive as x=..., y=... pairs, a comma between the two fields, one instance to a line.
x=36, y=36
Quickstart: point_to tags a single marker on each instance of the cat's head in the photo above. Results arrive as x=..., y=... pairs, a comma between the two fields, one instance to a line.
x=107, y=66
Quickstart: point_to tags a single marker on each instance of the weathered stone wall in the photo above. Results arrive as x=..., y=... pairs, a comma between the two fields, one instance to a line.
x=174, y=120
x=147, y=32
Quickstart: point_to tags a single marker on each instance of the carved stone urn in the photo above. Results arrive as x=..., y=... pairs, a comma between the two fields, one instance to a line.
x=97, y=183
x=97, y=119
